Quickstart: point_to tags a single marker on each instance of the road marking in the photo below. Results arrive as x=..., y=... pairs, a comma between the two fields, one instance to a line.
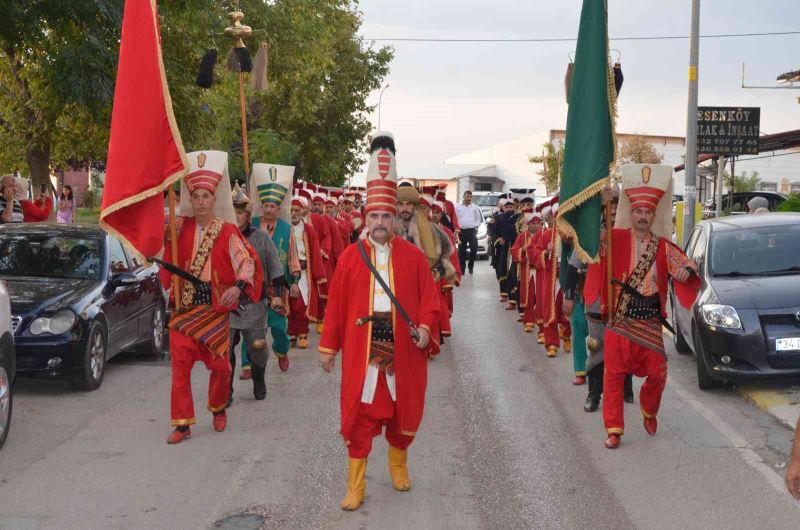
x=737, y=440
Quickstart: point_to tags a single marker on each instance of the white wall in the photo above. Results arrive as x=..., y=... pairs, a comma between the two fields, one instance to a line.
x=511, y=161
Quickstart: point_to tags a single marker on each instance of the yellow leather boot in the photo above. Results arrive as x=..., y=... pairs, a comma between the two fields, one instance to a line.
x=302, y=342
x=398, y=468
x=319, y=327
x=356, y=484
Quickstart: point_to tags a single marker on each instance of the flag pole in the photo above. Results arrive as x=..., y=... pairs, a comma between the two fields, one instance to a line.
x=243, y=110
x=609, y=253
x=173, y=238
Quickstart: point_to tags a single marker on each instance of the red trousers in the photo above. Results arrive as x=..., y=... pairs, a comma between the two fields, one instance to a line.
x=298, y=321
x=185, y=352
x=622, y=356
x=529, y=316
x=444, y=318
x=551, y=334
x=371, y=420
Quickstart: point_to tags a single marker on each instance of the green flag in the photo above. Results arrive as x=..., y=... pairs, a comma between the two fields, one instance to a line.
x=589, y=149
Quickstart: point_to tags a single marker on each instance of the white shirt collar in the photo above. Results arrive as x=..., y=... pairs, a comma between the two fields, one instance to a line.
x=377, y=245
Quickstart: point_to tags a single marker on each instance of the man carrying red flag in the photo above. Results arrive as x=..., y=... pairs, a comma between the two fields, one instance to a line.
x=209, y=240
x=644, y=259
x=384, y=369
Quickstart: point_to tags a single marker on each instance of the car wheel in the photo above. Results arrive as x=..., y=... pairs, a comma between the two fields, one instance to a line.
x=704, y=378
x=158, y=333
x=6, y=402
x=94, y=360
x=681, y=346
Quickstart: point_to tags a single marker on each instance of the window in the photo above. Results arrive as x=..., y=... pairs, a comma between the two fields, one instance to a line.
x=699, y=250
x=483, y=186
x=794, y=187
x=117, y=262
x=45, y=255
x=768, y=186
x=759, y=250
x=692, y=239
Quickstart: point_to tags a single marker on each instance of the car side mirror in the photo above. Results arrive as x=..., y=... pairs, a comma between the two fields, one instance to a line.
x=123, y=279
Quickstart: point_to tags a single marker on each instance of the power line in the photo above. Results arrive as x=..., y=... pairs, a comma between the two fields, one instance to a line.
x=573, y=39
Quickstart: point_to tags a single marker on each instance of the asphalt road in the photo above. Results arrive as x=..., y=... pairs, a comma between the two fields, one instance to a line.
x=504, y=444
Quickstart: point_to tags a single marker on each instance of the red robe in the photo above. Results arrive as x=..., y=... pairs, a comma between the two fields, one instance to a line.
x=346, y=227
x=596, y=281
x=315, y=272
x=523, y=252
x=223, y=276
x=546, y=277
x=337, y=245
x=325, y=237
x=450, y=210
x=350, y=297
x=447, y=288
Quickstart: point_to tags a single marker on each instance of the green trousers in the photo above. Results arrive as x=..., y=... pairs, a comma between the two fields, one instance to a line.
x=278, y=325
x=580, y=330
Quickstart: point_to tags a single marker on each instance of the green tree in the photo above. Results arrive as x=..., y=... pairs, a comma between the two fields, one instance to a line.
x=792, y=204
x=551, y=161
x=638, y=150
x=57, y=72
x=58, y=66
x=743, y=182
x=314, y=114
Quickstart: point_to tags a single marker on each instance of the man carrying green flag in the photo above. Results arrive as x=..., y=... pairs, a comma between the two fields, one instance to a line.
x=590, y=145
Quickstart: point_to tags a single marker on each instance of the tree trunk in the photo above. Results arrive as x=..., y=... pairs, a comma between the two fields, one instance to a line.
x=39, y=166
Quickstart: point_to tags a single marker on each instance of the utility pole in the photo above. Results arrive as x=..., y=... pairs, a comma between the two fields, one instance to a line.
x=690, y=190
x=720, y=181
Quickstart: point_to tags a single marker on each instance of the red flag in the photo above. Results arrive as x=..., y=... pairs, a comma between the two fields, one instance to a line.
x=145, y=151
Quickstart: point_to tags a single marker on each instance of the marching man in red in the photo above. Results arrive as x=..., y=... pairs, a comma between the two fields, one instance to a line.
x=307, y=305
x=548, y=292
x=523, y=252
x=384, y=348
x=211, y=248
x=644, y=259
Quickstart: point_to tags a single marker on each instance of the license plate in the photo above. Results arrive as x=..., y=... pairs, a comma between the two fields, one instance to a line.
x=792, y=344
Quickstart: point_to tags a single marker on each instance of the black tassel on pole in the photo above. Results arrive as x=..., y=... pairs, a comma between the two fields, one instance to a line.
x=205, y=75
x=239, y=60
x=618, y=77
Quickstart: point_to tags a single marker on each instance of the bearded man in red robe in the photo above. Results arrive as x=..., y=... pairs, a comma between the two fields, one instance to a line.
x=384, y=366
x=644, y=259
x=209, y=241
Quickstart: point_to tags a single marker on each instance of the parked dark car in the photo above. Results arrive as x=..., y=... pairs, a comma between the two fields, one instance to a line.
x=77, y=299
x=8, y=365
x=746, y=321
x=739, y=204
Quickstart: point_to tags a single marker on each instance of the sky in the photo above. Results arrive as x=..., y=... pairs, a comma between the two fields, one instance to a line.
x=448, y=99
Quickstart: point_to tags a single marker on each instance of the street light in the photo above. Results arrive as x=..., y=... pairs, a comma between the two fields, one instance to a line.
x=380, y=98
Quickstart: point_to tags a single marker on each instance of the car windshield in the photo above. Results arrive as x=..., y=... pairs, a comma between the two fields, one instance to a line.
x=50, y=256
x=755, y=251
x=487, y=200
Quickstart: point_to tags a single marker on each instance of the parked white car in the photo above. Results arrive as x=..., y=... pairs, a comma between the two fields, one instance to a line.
x=8, y=363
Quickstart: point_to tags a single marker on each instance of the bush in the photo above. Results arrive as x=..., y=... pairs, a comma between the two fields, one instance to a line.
x=792, y=204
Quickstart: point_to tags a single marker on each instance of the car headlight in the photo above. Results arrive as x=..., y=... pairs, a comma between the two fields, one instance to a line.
x=482, y=231
x=57, y=324
x=722, y=316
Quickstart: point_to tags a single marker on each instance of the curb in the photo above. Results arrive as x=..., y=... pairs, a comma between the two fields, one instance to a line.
x=777, y=404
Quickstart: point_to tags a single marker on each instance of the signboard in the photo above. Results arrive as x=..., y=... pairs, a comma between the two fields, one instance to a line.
x=728, y=130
